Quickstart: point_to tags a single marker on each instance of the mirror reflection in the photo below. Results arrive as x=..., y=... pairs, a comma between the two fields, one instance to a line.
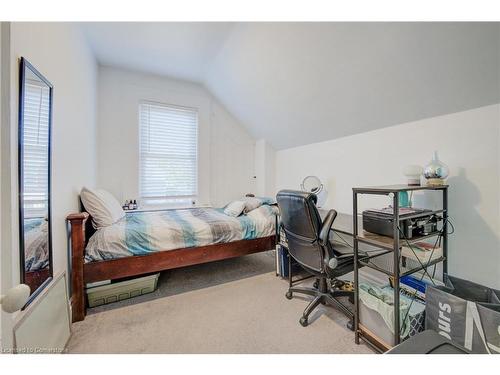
x=34, y=176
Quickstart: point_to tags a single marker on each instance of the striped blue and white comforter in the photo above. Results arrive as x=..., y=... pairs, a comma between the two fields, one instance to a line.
x=142, y=233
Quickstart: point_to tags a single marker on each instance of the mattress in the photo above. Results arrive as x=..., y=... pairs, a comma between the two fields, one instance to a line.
x=142, y=233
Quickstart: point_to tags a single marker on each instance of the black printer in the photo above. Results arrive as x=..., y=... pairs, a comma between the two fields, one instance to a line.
x=418, y=222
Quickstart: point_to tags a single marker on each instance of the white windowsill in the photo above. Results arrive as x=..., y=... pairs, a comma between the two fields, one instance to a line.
x=168, y=207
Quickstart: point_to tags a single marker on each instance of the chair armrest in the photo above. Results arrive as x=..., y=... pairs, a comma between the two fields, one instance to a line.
x=348, y=255
x=334, y=261
x=324, y=234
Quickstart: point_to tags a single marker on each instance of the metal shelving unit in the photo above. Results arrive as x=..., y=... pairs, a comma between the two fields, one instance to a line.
x=392, y=244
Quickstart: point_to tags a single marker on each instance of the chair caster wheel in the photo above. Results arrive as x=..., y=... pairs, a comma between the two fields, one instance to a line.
x=350, y=325
x=316, y=284
x=289, y=295
x=303, y=322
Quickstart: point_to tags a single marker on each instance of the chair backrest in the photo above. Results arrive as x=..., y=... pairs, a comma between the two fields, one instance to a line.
x=302, y=224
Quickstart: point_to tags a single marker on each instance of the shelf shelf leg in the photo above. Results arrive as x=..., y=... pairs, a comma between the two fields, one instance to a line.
x=356, y=266
x=445, y=232
x=395, y=228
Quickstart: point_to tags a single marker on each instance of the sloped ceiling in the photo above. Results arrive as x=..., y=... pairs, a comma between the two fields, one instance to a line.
x=298, y=83
x=176, y=49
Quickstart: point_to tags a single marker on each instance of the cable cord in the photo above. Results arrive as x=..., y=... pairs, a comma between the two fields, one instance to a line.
x=438, y=239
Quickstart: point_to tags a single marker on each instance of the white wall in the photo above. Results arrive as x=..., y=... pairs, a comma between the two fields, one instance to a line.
x=226, y=151
x=265, y=172
x=468, y=142
x=232, y=152
x=60, y=53
x=4, y=72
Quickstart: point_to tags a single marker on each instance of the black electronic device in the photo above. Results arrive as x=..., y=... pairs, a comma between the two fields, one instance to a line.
x=414, y=222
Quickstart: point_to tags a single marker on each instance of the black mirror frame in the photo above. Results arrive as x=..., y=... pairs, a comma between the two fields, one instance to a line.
x=24, y=64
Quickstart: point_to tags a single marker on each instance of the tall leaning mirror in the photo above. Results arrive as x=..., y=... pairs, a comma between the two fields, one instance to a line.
x=35, y=118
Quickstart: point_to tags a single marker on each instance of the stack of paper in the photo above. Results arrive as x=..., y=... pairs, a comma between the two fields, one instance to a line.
x=422, y=251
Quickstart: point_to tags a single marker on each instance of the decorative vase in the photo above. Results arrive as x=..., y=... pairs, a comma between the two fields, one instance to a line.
x=404, y=201
x=436, y=171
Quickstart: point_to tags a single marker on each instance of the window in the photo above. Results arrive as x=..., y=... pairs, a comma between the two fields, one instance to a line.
x=36, y=146
x=168, y=154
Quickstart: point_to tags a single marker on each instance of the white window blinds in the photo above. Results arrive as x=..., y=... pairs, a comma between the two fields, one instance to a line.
x=36, y=149
x=168, y=153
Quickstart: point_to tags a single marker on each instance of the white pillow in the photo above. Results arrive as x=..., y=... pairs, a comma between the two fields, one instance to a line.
x=251, y=203
x=102, y=206
x=234, y=208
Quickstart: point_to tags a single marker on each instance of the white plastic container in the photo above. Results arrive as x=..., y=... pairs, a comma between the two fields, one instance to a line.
x=114, y=292
x=375, y=323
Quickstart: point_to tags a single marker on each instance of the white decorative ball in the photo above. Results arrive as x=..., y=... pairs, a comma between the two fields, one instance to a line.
x=413, y=173
x=15, y=298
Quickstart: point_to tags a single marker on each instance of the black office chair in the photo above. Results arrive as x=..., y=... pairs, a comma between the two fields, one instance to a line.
x=309, y=244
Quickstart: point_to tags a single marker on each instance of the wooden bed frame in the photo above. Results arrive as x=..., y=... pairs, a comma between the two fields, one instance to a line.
x=83, y=273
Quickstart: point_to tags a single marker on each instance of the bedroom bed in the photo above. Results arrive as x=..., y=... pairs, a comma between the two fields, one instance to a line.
x=152, y=241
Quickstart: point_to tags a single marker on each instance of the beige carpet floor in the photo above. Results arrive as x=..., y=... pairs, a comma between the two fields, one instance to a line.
x=231, y=306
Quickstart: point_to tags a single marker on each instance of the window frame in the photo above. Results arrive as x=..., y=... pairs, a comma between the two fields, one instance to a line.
x=30, y=205
x=168, y=201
